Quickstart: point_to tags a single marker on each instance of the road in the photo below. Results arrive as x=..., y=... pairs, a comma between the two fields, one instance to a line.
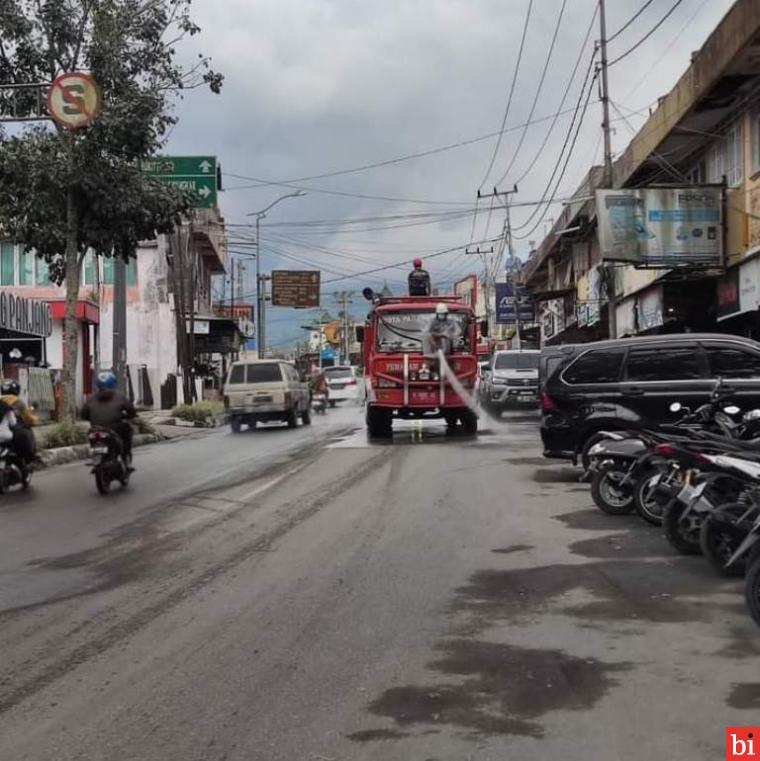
x=306, y=595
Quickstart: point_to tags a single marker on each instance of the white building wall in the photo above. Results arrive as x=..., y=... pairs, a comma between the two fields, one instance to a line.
x=151, y=329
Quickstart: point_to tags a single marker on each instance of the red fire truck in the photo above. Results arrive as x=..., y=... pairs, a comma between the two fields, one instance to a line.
x=402, y=380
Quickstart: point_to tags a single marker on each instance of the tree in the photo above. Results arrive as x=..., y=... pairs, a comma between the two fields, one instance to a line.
x=63, y=193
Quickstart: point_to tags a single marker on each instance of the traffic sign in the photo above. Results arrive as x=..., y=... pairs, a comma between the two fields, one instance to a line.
x=295, y=288
x=74, y=99
x=194, y=173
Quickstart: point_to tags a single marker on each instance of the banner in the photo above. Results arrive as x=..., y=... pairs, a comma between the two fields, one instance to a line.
x=513, y=302
x=661, y=226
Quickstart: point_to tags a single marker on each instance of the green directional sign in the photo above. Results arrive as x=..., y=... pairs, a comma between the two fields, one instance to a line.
x=196, y=173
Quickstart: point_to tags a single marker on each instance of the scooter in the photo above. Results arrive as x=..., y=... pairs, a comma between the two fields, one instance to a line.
x=106, y=461
x=319, y=403
x=13, y=470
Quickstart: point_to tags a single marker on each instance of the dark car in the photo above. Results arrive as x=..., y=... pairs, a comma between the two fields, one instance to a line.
x=608, y=385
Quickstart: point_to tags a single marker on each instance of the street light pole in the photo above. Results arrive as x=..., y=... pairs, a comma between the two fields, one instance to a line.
x=260, y=284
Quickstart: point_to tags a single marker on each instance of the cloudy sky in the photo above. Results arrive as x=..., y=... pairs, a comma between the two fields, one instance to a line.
x=315, y=87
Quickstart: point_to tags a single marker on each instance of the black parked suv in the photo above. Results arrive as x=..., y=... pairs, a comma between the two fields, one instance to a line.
x=607, y=385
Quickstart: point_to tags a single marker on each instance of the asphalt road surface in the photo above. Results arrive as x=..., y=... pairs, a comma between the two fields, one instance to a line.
x=305, y=595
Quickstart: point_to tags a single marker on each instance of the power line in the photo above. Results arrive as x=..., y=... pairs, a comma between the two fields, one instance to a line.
x=541, y=81
x=578, y=60
x=647, y=35
x=565, y=143
x=511, y=94
x=630, y=20
x=564, y=169
x=667, y=48
x=262, y=183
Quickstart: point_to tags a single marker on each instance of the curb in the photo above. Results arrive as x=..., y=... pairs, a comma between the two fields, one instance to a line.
x=64, y=455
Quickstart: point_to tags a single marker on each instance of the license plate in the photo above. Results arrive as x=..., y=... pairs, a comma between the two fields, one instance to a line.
x=337, y=386
x=262, y=399
x=424, y=397
x=98, y=450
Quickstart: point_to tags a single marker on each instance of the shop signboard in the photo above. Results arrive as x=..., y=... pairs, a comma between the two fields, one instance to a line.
x=513, y=303
x=23, y=315
x=662, y=227
x=749, y=285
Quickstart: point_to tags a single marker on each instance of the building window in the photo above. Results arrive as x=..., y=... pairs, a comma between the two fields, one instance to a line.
x=725, y=157
x=7, y=263
x=88, y=275
x=26, y=268
x=108, y=271
x=43, y=272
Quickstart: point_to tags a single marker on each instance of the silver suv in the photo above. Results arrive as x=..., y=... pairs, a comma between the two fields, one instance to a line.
x=511, y=379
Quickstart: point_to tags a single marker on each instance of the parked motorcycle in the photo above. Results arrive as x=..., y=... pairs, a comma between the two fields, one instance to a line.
x=106, y=460
x=629, y=472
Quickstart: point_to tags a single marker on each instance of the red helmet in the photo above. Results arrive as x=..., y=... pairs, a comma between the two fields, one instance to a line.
x=417, y=263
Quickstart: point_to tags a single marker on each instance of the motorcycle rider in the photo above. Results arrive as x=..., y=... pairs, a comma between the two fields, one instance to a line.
x=109, y=408
x=442, y=332
x=24, y=441
x=419, y=280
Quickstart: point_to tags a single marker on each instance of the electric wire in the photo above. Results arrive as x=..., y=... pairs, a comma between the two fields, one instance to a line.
x=564, y=168
x=578, y=60
x=566, y=141
x=630, y=21
x=511, y=94
x=540, y=87
x=647, y=35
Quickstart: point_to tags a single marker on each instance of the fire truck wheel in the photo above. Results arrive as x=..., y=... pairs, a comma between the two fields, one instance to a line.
x=379, y=423
x=469, y=422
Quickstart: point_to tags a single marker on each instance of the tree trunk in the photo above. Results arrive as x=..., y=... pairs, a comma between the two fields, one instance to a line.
x=71, y=325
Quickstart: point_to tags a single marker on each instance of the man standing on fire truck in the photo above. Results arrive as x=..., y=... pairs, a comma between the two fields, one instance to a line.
x=419, y=280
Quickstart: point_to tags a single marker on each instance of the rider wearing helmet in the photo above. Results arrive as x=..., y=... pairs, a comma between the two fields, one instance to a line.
x=109, y=408
x=442, y=332
x=419, y=280
x=24, y=441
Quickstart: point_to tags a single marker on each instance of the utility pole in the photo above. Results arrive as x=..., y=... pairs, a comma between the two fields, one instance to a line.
x=344, y=299
x=119, y=320
x=608, y=271
x=506, y=241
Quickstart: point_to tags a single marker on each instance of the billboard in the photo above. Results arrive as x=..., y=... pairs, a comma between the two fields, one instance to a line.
x=513, y=303
x=295, y=288
x=662, y=227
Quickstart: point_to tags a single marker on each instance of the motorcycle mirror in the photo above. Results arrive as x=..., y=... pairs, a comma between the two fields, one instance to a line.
x=676, y=407
x=732, y=409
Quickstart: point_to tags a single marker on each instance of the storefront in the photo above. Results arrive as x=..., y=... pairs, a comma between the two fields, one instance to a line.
x=738, y=299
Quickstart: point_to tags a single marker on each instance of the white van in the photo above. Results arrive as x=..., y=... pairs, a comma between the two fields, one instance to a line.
x=263, y=391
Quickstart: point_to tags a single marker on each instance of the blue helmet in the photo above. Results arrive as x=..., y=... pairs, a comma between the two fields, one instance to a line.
x=106, y=381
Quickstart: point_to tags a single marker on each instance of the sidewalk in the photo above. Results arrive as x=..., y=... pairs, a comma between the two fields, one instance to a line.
x=161, y=421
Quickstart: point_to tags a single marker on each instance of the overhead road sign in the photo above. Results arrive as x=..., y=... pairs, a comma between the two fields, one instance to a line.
x=197, y=174
x=295, y=288
x=74, y=99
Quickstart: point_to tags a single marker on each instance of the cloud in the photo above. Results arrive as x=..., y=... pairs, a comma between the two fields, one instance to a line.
x=317, y=85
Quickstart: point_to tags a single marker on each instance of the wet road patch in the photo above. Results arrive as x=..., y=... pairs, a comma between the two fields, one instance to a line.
x=513, y=548
x=745, y=696
x=506, y=688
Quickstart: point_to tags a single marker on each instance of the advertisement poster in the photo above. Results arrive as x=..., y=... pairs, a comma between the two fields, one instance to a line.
x=661, y=227
x=513, y=302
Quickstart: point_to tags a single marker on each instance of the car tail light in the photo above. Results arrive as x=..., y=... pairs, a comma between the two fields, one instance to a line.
x=288, y=397
x=547, y=403
x=226, y=402
x=351, y=382
x=665, y=450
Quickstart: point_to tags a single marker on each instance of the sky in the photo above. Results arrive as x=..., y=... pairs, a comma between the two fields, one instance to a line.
x=314, y=87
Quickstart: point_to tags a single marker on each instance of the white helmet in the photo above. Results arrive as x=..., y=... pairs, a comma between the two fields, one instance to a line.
x=441, y=310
